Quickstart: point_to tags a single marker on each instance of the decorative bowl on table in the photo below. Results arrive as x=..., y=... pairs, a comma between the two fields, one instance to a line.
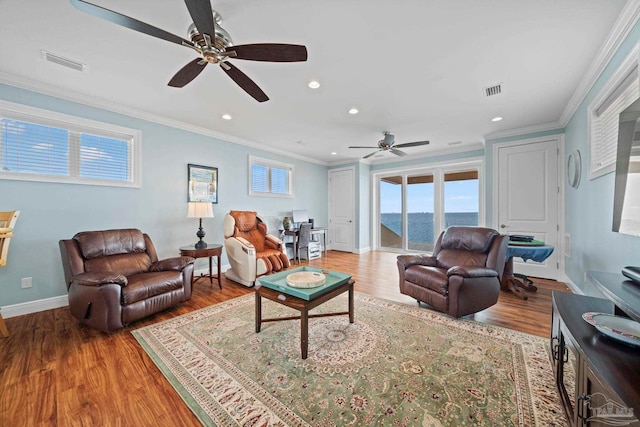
x=306, y=279
x=617, y=327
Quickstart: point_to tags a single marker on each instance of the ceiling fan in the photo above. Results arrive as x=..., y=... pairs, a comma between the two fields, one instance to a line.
x=388, y=144
x=210, y=41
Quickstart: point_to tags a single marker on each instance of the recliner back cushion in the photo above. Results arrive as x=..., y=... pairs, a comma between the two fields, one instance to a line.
x=465, y=246
x=448, y=258
x=127, y=264
x=122, y=251
x=95, y=244
x=473, y=239
x=248, y=227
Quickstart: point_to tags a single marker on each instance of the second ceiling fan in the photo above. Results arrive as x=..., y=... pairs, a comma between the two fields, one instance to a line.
x=210, y=41
x=388, y=144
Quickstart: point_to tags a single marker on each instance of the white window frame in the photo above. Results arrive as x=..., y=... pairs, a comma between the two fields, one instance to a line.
x=620, y=91
x=75, y=125
x=253, y=160
x=438, y=170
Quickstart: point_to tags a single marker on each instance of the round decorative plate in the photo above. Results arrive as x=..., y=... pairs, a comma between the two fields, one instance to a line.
x=617, y=327
x=305, y=279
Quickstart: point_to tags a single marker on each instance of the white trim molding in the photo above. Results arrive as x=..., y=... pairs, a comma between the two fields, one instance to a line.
x=35, y=306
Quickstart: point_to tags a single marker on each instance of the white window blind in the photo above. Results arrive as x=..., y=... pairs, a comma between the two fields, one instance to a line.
x=39, y=145
x=270, y=178
x=604, y=123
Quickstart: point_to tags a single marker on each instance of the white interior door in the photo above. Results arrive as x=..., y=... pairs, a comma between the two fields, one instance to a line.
x=341, y=210
x=527, y=191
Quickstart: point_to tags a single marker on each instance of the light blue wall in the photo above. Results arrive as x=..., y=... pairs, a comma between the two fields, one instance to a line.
x=589, y=208
x=489, y=160
x=50, y=211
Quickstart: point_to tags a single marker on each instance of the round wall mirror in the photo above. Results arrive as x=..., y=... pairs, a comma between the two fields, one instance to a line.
x=574, y=166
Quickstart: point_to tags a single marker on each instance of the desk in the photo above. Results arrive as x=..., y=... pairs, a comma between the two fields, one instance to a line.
x=208, y=252
x=314, y=231
x=510, y=280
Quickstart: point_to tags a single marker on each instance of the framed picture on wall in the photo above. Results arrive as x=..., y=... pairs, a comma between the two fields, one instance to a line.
x=202, y=184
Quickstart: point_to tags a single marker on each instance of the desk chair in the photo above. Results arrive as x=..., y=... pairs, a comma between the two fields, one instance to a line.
x=302, y=240
x=7, y=223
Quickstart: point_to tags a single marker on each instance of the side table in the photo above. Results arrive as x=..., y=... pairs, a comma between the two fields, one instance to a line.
x=537, y=252
x=208, y=252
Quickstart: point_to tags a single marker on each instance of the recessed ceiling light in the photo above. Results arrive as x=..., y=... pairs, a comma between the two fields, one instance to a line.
x=353, y=111
x=496, y=119
x=314, y=84
x=226, y=116
x=333, y=153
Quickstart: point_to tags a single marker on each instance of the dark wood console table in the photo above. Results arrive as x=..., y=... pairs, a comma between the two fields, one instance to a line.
x=597, y=377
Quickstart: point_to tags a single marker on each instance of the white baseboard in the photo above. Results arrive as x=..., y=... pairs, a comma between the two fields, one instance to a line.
x=36, y=306
x=574, y=288
x=362, y=250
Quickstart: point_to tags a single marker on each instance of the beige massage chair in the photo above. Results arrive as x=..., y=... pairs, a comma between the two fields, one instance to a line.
x=250, y=250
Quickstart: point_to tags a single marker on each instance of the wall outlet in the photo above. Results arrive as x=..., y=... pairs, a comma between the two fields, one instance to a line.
x=26, y=282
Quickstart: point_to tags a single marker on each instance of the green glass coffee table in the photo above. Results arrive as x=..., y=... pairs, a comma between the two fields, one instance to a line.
x=275, y=288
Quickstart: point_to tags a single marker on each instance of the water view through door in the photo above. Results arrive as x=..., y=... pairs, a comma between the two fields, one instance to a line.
x=414, y=209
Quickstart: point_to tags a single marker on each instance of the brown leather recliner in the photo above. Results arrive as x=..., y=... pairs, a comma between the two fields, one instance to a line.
x=463, y=274
x=114, y=278
x=251, y=250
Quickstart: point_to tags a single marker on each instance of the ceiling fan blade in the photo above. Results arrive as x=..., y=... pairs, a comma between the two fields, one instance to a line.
x=202, y=15
x=128, y=22
x=397, y=152
x=411, y=144
x=187, y=73
x=270, y=52
x=370, y=154
x=244, y=82
x=357, y=146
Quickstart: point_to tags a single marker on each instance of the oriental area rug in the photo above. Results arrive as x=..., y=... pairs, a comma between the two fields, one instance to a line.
x=397, y=365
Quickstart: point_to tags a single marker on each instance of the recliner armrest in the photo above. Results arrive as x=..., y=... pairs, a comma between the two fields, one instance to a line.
x=272, y=241
x=99, y=279
x=471, y=272
x=172, y=264
x=409, y=260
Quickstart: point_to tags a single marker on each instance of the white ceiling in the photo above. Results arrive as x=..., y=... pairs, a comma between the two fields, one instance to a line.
x=414, y=67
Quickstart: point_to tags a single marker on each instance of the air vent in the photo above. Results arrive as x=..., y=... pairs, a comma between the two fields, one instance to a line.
x=56, y=59
x=493, y=90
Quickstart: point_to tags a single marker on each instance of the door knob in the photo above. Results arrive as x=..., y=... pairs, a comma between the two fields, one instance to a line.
x=503, y=226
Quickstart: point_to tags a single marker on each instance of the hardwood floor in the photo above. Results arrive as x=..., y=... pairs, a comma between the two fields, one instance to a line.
x=53, y=371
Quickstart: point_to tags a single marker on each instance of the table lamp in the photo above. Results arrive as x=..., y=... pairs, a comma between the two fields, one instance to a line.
x=200, y=210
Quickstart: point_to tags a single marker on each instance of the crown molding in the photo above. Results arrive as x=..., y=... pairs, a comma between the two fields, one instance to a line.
x=68, y=95
x=621, y=29
x=523, y=131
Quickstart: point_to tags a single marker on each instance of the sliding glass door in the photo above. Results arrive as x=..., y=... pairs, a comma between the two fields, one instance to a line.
x=415, y=207
x=391, y=225
x=420, y=208
x=461, y=198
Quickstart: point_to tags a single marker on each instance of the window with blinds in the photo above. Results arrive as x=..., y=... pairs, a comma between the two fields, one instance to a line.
x=604, y=114
x=40, y=145
x=270, y=178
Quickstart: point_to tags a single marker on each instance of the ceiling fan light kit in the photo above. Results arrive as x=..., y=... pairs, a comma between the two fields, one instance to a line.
x=387, y=143
x=210, y=41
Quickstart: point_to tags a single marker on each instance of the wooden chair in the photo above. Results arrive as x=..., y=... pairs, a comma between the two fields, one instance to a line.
x=7, y=222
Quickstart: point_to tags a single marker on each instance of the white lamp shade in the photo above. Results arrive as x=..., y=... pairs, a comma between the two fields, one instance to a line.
x=200, y=210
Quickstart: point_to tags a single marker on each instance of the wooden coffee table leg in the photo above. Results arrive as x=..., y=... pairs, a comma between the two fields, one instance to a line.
x=258, y=312
x=351, y=303
x=304, y=332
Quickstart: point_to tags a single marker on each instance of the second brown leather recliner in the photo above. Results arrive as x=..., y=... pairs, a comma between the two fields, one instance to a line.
x=463, y=274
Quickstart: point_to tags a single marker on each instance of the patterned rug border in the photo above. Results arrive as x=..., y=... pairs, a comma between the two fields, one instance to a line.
x=524, y=347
